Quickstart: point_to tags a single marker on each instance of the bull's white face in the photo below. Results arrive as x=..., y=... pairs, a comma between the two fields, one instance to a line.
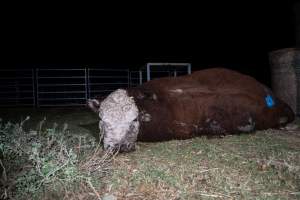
x=119, y=121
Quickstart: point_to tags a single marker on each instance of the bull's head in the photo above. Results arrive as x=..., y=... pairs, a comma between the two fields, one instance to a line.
x=118, y=123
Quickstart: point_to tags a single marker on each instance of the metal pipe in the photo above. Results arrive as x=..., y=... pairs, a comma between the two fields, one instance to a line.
x=189, y=66
x=33, y=87
x=141, y=77
x=86, y=84
x=148, y=71
x=37, y=87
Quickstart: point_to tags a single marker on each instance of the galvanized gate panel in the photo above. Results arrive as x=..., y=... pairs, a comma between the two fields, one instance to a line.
x=297, y=71
x=158, y=70
x=61, y=87
x=136, y=78
x=101, y=82
x=17, y=87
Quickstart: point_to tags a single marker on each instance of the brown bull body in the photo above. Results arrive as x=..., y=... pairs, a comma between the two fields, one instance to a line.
x=208, y=102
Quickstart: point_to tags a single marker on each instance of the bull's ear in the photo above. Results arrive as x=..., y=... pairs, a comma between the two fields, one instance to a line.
x=93, y=104
x=147, y=94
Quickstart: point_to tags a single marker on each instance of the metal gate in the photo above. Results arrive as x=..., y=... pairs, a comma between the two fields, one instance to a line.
x=61, y=87
x=157, y=70
x=72, y=87
x=101, y=82
x=43, y=87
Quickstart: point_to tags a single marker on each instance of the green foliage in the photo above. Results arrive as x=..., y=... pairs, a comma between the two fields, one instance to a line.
x=37, y=160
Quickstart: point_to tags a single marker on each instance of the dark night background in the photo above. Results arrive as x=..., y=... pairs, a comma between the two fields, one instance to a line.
x=233, y=35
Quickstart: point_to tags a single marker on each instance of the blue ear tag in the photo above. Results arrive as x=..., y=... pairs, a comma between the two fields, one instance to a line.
x=269, y=101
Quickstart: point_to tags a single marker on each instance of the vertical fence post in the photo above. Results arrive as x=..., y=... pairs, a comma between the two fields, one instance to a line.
x=148, y=72
x=128, y=79
x=189, y=68
x=88, y=81
x=37, y=87
x=33, y=87
x=86, y=84
x=141, y=77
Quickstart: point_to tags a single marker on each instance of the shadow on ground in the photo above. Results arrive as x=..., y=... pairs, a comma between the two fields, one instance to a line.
x=78, y=120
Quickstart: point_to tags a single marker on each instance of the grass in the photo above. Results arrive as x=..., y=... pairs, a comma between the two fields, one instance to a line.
x=264, y=165
x=236, y=167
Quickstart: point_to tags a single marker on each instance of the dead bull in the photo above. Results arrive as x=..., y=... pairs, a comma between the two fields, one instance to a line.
x=208, y=102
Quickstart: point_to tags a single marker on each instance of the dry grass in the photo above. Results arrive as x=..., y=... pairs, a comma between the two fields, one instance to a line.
x=265, y=165
x=259, y=166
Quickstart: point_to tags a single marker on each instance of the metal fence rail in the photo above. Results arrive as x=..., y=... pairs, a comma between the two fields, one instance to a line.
x=103, y=81
x=154, y=70
x=136, y=78
x=158, y=70
x=61, y=87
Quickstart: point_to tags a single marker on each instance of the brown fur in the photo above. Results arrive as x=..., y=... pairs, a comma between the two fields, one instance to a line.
x=208, y=102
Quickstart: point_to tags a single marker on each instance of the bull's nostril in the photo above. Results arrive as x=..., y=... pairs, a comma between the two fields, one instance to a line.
x=130, y=146
x=111, y=148
x=127, y=147
x=108, y=147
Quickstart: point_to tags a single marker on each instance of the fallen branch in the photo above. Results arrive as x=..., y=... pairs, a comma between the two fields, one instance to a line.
x=93, y=188
x=214, y=195
x=207, y=170
x=3, y=175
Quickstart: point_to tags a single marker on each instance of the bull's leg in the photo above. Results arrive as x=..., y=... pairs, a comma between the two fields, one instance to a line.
x=217, y=122
x=220, y=122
